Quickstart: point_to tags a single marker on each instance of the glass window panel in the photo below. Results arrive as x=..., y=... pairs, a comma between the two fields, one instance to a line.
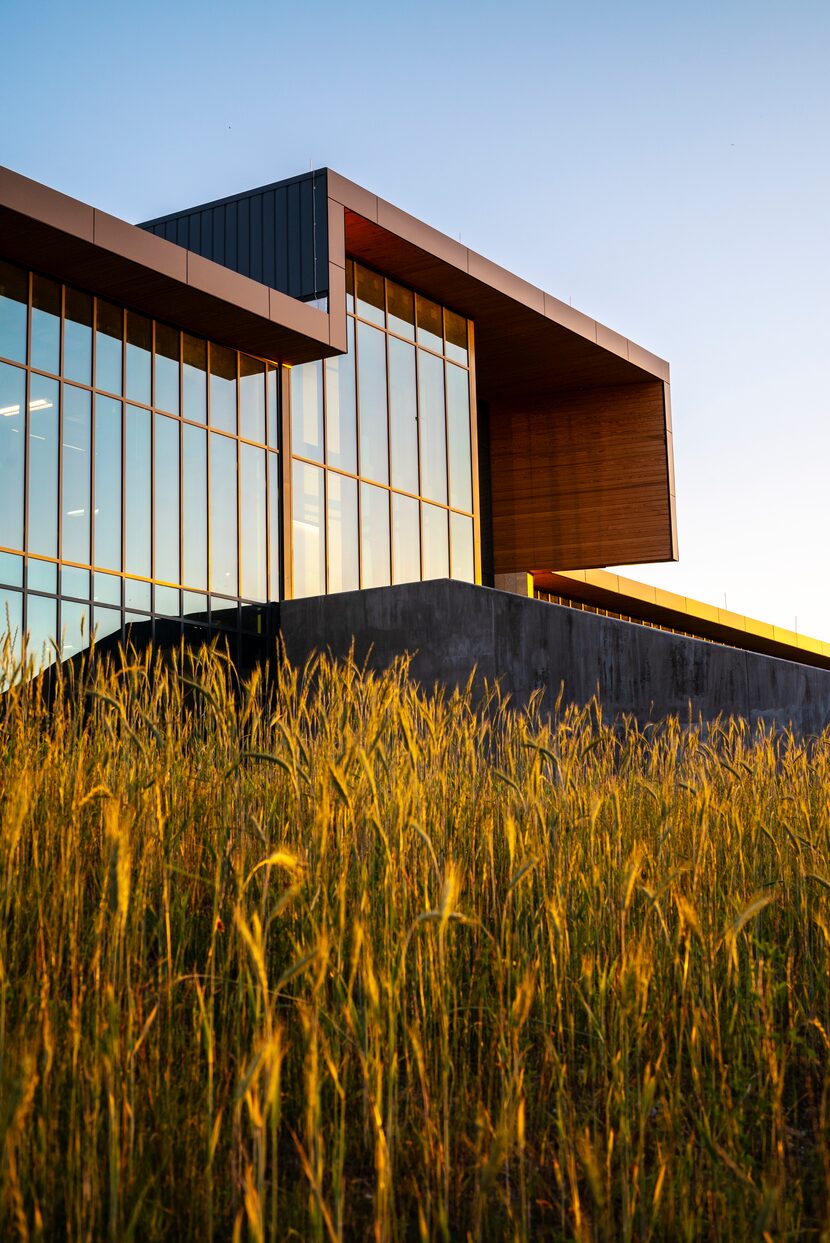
x=167, y=601
x=11, y=569
x=403, y=421
x=194, y=507
x=341, y=429
x=194, y=606
x=223, y=613
x=77, y=337
x=406, y=539
x=108, y=482
x=109, y=334
x=400, y=309
x=371, y=366
x=433, y=434
x=374, y=536
x=106, y=622
x=11, y=633
x=46, y=324
x=369, y=295
x=43, y=466
x=223, y=516
x=42, y=629
x=12, y=391
x=455, y=327
x=272, y=387
x=349, y=285
x=251, y=398
x=167, y=373
x=461, y=542
x=458, y=436
x=223, y=388
x=106, y=589
x=166, y=499
x=344, y=569
x=137, y=594
x=42, y=576
x=74, y=628
x=194, y=361
x=137, y=513
x=307, y=410
x=254, y=527
x=430, y=324
x=309, y=532
x=139, y=359
x=274, y=526
x=74, y=582
x=76, y=474
x=14, y=296
x=434, y=536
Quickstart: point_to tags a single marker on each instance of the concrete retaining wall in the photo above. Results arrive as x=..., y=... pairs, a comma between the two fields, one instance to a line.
x=528, y=644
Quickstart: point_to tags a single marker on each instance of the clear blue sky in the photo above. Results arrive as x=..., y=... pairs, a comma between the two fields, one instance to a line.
x=665, y=167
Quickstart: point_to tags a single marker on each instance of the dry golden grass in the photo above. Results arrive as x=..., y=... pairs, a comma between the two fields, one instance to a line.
x=338, y=959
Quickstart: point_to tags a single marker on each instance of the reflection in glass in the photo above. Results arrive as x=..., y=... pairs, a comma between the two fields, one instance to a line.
x=223, y=576
x=11, y=569
x=12, y=390
x=374, y=536
x=109, y=333
x=254, y=527
x=272, y=387
x=251, y=398
x=74, y=582
x=458, y=436
x=77, y=337
x=371, y=367
x=137, y=516
x=167, y=373
x=434, y=535
x=274, y=519
x=42, y=576
x=106, y=589
x=46, y=325
x=223, y=388
x=167, y=601
x=455, y=327
x=76, y=471
x=433, y=434
x=307, y=410
x=14, y=296
x=194, y=476
x=107, y=482
x=406, y=539
x=194, y=357
x=166, y=494
x=139, y=358
x=369, y=295
x=349, y=285
x=42, y=530
x=430, y=324
x=137, y=594
x=42, y=629
x=400, y=308
x=403, y=420
x=11, y=631
x=107, y=622
x=341, y=431
x=309, y=531
x=461, y=541
x=74, y=628
x=344, y=570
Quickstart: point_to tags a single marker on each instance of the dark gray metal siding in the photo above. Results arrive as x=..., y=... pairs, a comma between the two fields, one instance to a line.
x=277, y=235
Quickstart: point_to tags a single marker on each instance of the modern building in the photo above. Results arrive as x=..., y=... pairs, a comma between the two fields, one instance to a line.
x=299, y=391
x=293, y=391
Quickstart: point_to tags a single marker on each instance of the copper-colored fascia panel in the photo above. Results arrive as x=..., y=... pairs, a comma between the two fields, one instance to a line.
x=524, y=336
x=687, y=616
x=59, y=236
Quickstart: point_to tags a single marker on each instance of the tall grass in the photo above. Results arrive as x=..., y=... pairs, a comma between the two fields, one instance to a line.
x=333, y=958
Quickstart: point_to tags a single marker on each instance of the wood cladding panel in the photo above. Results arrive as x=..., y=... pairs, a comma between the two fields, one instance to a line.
x=581, y=480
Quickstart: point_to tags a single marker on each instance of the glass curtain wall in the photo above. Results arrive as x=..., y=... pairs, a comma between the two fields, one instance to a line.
x=381, y=443
x=140, y=471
